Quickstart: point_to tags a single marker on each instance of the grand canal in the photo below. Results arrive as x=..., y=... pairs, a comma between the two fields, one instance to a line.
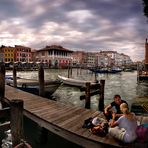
x=124, y=83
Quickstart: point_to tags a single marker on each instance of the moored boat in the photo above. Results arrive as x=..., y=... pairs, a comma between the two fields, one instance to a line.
x=32, y=85
x=75, y=82
x=106, y=70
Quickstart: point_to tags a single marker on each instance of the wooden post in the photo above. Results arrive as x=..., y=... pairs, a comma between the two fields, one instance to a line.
x=101, y=100
x=80, y=70
x=14, y=77
x=87, y=95
x=77, y=71
x=41, y=81
x=16, y=121
x=95, y=76
x=71, y=70
x=68, y=70
x=138, y=73
x=2, y=81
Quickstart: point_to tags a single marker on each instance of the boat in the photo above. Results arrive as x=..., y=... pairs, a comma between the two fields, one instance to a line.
x=128, y=70
x=115, y=70
x=106, y=70
x=99, y=70
x=32, y=85
x=75, y=82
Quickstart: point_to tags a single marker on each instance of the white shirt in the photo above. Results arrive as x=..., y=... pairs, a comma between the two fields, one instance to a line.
x=130, y=127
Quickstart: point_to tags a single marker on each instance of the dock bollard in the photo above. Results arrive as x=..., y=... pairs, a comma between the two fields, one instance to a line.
x=41, y=81
x=14, y=77
x=16, y=120
x=87, y=96
x=101, y=99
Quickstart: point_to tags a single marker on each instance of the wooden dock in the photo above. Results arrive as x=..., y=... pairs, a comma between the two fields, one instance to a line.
x=63, y=120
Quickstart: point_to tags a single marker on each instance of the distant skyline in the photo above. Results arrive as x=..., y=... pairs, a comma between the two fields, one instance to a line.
x=90, y=25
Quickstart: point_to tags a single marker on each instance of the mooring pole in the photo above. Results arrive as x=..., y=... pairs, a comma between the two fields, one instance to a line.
x=41, y=81
x=87, y=95
x=2, y=82
x=14, y=76
x=16, y=121
x=101, y=99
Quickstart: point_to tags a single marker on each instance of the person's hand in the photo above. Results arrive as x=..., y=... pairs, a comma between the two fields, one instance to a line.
x=113, y=115
x=110, y=123
x=106, y=112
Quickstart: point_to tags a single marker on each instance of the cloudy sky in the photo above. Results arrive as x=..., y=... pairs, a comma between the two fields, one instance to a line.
x=90, y=25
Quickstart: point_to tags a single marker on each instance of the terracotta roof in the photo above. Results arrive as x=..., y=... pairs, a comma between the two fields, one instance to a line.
x=57, y=47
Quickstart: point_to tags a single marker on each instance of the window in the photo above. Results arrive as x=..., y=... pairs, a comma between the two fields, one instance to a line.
x=43, y=53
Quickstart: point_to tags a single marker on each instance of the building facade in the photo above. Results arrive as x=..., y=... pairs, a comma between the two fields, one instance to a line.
x=2, y=54
x=78, y=58
x=54, y=55
x=8, y=54
x=22, y=54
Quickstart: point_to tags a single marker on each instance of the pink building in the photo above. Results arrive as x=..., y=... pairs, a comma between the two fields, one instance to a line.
x=22, y=54
x=78, y=58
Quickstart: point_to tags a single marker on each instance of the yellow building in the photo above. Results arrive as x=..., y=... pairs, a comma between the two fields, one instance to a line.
x=8, y=54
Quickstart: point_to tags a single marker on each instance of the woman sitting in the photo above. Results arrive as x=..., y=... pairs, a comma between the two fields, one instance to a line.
x=124, y=129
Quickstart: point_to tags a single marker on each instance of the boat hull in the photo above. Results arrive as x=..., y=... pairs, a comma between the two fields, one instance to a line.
x=103, y=71
x=74, y=82
x=32, y=86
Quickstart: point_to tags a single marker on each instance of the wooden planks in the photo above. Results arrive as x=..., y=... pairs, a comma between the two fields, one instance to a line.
x=61, y=119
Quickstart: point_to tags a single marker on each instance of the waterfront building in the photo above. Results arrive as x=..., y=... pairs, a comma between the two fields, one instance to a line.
x=54, y=55
x=104, y=60
x=109, y=57
x=91, y=59
x=117, y=59
x=1, y=54
x=126, y=60
x=8, y=54
x=78, y=58
x=22, y=54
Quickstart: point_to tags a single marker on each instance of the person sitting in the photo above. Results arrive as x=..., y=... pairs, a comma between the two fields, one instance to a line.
x=116, y=105
x=124, y=129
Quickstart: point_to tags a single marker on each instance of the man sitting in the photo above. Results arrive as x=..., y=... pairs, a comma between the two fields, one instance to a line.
x=116, y=105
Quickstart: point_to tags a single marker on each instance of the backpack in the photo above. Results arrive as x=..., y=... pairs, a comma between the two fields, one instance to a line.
x=142, y=133
x=88, y=123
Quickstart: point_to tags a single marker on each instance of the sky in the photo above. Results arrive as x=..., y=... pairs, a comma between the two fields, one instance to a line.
x=83, y=25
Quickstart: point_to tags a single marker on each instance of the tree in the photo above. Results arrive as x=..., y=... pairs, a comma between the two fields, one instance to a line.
x=145, y=9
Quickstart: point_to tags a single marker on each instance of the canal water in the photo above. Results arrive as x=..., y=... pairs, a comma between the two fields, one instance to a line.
x=124, y=83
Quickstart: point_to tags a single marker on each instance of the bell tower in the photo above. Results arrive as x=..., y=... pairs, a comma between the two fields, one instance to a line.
x=146, y=54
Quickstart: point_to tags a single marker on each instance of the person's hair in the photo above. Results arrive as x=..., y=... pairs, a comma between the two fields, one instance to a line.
x=125, y=109
x=116, y=96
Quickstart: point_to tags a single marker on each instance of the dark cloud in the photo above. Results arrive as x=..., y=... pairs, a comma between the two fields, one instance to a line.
x=79, y=24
